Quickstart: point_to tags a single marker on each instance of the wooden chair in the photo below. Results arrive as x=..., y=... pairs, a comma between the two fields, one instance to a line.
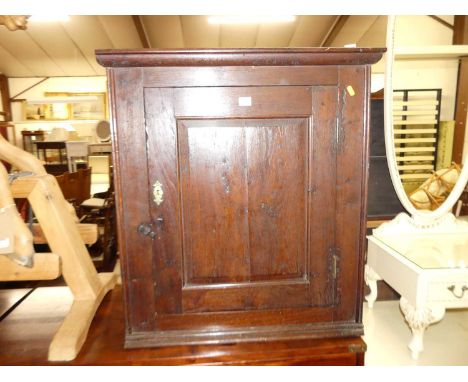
x=100, y=210
x=75, y=186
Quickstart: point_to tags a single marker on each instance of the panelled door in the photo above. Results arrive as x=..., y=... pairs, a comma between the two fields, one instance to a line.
x=241, y=198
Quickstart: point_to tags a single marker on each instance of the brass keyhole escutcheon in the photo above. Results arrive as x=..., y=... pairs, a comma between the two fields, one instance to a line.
x=158, y=193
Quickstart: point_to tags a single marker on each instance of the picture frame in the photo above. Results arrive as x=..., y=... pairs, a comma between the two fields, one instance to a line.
x=84, y=106
x=67, y=106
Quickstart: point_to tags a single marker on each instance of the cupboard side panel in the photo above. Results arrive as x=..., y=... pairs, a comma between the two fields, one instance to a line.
x=131, y=178
x=322, y=190
x=351, y=185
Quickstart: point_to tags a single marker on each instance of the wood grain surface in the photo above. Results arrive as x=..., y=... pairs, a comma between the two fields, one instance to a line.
x=26, y=333
x=261, y=158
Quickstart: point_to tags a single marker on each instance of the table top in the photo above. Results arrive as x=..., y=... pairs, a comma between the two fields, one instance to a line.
x=431, y=251
x=50, y=144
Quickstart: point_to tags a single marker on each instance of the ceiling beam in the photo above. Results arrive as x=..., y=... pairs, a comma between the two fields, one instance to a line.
x=141, y=32
x=29, y=88
x=335, y=29
x=182, y=31
x=442, y=21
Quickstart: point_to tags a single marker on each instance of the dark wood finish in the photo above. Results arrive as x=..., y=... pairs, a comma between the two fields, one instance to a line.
x=5, y=98
x=167, y=76
x=383, y=202
x=141, y=31
x=238, y=57
x=386, y=292
x=4, y=127
x=5, y=113
x=29, y=137
x=75, y=186
x=26, y=333
x=460, y=37
x=461, y=108
x=263, y=164
x=460, y=30
x=104, y=251
x=53, y=153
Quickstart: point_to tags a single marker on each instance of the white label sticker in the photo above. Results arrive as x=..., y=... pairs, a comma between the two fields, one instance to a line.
x=350, y=90
x=5, y=243
x=245, y=101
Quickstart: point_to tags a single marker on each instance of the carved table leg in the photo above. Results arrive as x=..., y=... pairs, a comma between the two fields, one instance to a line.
x=371, y=277
x=418, y=320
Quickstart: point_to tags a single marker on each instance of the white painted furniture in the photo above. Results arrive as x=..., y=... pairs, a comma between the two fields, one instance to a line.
x=429, y=271
x=76, y=150
x=100, y=148
x=422, y=256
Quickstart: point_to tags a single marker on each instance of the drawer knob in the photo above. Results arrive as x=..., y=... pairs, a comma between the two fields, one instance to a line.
x=451, y=288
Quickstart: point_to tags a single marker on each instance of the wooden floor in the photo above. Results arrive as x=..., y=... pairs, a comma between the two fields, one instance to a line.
x=28, y=328
x=9, y=298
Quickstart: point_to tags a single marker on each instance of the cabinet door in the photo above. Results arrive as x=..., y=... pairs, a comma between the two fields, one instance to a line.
x=242, y=201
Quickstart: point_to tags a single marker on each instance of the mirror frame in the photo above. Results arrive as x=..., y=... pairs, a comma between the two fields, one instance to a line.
x=418, y=215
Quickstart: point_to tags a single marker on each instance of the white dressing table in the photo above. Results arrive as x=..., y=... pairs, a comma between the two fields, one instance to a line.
x=428, y=270
x=423, y=255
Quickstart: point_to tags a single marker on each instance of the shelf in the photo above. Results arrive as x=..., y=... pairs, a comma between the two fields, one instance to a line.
x=56, y=121
x=431, y=52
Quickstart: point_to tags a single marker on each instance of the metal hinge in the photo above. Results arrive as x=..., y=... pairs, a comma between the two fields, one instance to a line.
x=337, y=132
x=334, y=255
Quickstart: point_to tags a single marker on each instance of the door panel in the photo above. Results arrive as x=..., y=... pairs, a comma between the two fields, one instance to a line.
x=214, y=200
x=241, y=193
x=241, y=181
x=277, y=179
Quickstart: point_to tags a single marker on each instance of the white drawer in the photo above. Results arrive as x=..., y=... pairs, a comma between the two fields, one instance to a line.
x=100, y=148
x=449, y=291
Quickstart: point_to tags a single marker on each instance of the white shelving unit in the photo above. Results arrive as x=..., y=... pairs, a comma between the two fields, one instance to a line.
x=56, y=121
x=432, y=52
x=416, y=153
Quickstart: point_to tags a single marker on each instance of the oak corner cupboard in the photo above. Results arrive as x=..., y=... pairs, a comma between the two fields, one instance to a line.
x=241, y=188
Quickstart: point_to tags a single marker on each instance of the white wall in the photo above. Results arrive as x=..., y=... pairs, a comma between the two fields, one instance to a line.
x=53, y=84
x=56, y=84
x=418, y=74
x=430, y=74
x=413, y=74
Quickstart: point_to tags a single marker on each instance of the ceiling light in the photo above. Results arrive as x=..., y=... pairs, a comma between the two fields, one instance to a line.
x=241, y=19
x=49, y=17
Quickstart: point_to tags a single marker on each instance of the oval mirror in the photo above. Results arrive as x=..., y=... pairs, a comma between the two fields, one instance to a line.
x=103, y=132
x=455, y=178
